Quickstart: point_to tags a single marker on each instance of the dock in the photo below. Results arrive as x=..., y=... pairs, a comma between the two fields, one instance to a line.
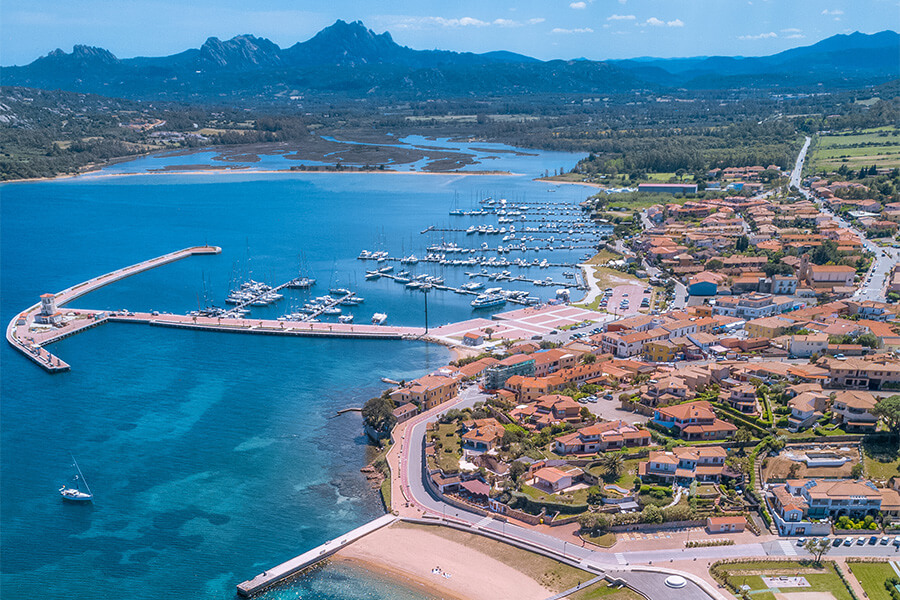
x=30, y=343
x=30, y=339
x=290, y=568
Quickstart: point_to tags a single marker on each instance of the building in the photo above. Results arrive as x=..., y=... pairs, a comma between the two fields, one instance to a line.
x=473, y=339
x=668, y=188
x=601, y=437
x=804, y=346
x=428, y=391
x=742, y=398
x=871, y=372
x=754, y=305
x=826, y=498
x=517, y=364
x=768, y=327
x=693, y=421
x=725, y=524
x=853, y=409
x=829, y=276
x=553, y=480
x=485, y=436
x=704, y=284
x=683, y=465
x=806, y=409
x=551, y=361
x=405, y=412
x=48, y=315
x=549, y=409
x=662, y=351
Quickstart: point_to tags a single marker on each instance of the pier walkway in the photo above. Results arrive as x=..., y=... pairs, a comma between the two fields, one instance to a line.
x=291, y=567
x=22, y=334
x=30, y=338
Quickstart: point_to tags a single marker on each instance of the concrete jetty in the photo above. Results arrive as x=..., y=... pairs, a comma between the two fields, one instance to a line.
x=297, y=564
x=25, y=335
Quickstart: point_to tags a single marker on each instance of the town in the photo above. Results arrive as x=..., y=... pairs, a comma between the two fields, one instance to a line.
x=753, y=399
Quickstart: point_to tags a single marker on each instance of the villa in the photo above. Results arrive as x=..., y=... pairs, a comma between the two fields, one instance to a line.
x=685, y=464
x=693, y=421
x=601, y=437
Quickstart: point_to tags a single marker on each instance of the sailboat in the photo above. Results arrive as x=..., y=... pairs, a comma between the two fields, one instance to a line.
x=74, y=493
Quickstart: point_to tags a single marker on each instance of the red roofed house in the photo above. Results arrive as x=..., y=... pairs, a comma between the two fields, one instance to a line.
x=685, y=464
x=553, y=480
x=725, y=524
x=427, y=391
x=599, y=437
x=693, y=421
x=484, y=437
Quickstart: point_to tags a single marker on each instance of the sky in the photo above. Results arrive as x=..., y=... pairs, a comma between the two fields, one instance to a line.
x=545, y=29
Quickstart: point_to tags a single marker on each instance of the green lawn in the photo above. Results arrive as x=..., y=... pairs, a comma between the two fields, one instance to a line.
x=576, y=497
x=605, y=540
x=603, y=256
x=882, y=461
x=871, y=577
x=450, y=452
x=823, y=579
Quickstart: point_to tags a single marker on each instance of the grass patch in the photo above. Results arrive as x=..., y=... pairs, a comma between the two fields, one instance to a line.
x=607, y=277
x=821, y=579
x=871, y=577
x=450, y=447
x=605, y=540
x=604, y=590
x=386, y=494
x=576, y=497
x=603, y=256
x=882, y=459
x=551, y=574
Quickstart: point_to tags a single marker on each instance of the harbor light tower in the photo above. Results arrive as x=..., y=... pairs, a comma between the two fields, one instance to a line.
x=48, y=304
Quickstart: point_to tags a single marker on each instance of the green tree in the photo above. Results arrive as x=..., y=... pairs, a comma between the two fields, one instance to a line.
x=742, y=243
x=743, y=435
x=817, y=547
x=888, y=410
x=867, y=339
x=652, y=514
x=517, y=469
x=586, y=414
x=378, y=413
x=613, y=465
x=588, y=358
x=857, y=471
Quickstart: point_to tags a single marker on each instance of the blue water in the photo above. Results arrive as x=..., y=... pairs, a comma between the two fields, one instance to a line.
x=212, y=456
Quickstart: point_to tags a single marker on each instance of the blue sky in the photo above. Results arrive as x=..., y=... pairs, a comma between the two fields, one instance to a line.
x=596, y=29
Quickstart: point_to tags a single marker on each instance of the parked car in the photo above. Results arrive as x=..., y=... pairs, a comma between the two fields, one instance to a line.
x=848, y=541
x=861, y=541
x=885, y=541
x=801, y=541
x=873, y=540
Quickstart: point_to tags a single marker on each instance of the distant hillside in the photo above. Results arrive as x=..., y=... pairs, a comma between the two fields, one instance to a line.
x=349, y=60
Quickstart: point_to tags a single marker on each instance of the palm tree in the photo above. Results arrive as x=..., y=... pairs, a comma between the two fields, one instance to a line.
x=613, y=465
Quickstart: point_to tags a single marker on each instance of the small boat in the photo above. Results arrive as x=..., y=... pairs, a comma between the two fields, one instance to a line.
x=488, y=301
x=76, y=494
x=379, y=318
x=338, y=291
x=345, y=319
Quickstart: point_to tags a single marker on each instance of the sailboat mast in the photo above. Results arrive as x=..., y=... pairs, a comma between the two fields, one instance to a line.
x=81, y=475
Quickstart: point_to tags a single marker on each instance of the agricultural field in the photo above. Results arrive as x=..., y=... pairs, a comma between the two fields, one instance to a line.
x=879, y=146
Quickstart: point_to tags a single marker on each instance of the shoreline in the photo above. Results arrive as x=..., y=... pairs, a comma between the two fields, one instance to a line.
x=584, y=183
x=250, y=171
x=391, y=574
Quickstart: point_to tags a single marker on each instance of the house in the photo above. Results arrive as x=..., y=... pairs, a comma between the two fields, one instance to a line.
x=662, y=350
x=725, y=524
x=427, y=391
x=853, y=409
x=554, y=480
x=405, y=412
x=474, y=369
x=804, y=346
x=473, y=339
x=693, y=421
x=826, y=498
x=601, y=437
x=528, y=389
x=704, y=284
x=484, y=437
x=871, y=372
x=684, y=465
x=768, y=327
x=551, y=361
x=742, y=398
x=806, y=409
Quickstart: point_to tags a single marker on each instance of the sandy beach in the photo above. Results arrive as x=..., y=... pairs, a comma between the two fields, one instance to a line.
x=411, y=553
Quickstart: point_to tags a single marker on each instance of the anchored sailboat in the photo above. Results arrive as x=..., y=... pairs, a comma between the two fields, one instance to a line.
x=74, y=493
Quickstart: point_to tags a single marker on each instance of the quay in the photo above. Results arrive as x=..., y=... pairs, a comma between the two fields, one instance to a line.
x=19, y=332
x=294, y=566
x=43, y=324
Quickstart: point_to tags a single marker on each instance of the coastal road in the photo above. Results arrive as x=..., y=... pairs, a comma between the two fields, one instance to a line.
x=413, y=472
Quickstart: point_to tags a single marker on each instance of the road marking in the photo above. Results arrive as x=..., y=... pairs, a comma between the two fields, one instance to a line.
x=621, y=558
x=894, y=564
x=483, y=523
x=787, y=548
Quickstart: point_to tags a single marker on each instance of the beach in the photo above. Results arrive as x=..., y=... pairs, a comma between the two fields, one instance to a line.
x=412, y=552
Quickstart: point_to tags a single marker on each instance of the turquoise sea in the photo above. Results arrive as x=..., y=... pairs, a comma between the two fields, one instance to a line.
x=212, y=456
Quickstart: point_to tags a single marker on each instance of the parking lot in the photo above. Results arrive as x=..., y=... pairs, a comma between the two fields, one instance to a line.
x=610, y=410
x=625, y=300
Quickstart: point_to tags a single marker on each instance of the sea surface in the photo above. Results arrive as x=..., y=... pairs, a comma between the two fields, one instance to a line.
x=213, y=456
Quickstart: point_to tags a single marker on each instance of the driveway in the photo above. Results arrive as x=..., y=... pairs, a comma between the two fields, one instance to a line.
x=611, y=410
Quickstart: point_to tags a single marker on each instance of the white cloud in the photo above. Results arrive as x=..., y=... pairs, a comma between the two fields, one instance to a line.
x=791, y=30
x=761, y=36
x=578, y=30
x=654, y=22
x=832, y=13
x=794, y=36
x=426, y=22
x=621, y=18
x=578, y=5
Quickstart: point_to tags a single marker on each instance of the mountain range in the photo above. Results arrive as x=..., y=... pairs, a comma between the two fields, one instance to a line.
x=350, y=60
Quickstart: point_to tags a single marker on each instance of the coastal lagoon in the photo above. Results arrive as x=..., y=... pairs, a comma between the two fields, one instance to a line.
x=214, y=456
